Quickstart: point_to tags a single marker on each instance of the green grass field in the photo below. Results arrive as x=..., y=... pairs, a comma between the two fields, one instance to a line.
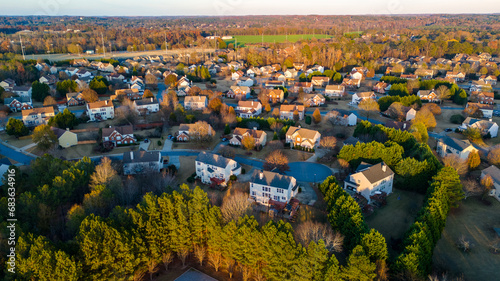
x=256, y=39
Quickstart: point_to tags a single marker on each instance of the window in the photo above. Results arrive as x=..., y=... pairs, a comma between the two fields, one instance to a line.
x=276, y=198
x=280, y=190
x=266, y=189
x=283, y=198
x=253, y=193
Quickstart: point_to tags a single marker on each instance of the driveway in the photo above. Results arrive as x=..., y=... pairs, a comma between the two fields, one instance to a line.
x=308, y=196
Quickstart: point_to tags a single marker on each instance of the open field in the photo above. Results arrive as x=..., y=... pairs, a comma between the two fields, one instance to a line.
x=255, y=39
x=475, y=220
x=394, y=219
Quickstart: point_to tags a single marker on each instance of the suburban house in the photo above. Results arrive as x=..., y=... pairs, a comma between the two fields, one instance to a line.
x=428, y=95
x=48, y=79
x=484, y=126
x=268, y=186
x=456, y=75
x=315, y=68
x=271, y=84
x=71, y=71
x=22, y=91
x=234, y=65
x=17, y=104
x=253, y=71
x=487, y=109
x=81, y=73
x=118, y=135
x=100, y=110
x=320, y=81
x=73, y=99
x=183, y=82
x=141, y=161
x=131, y=94
x=259, y=136
x=215, y=169
x=298, y=66
x=239, y=92
x=195, y=102
x=408, y=76
x=278, y=77
x=483, y=97
x=341, y=117
x=297, y=136
x=400, y=112
x=359, y=97
x=381, y=87
x=8, y=84
x=65, y=138
x=494, y=173
x=351, y=83
x=451, y=146
x=247, y=109
x=358, y=75
x=37, y=116
x=115, y=77
x=146, y=105
x=245, y=81
x=184, y=129
x=307, y=87
x=478, y=85
x=237, y=75
x=334, y=91
x=369, y=180
x=286, y=111
x=291, y=74
x=488, y=79
x=424, y=73
x=314, y=100
x=276, y=96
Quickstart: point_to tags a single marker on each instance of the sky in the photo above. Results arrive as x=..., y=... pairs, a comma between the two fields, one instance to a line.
x=243, y=7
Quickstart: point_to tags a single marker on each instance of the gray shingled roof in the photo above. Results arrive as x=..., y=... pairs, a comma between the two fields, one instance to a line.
x=141, y=156
x=271, y=179
x=374, y=173
x=494, y=172
x=213, y=159
x=455, y=143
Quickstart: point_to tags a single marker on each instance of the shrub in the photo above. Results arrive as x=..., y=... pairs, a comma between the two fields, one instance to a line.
x=159, y=142
x=243, y=171
x=308, y=120
x=233, y=178
x=457, y=119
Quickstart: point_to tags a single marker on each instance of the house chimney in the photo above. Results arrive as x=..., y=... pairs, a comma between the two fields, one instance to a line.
x=255, y=128
x=131, y=155
x=261, y=175
x=67, y=129
x=384, y=167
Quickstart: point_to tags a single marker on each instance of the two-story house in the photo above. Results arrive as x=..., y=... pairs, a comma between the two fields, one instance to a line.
x=428, y=95
x=74, y=99
x=100, y=110
x=247, y=109
x=456, y=75
x=184, y=131
x=239, y=92
x=266, y=186
x=276, y=96
x=306, y=87
x=351, y=83
x=335, y=91
x=369, y=180
x=146, y=105
x=37, y=116
x=17, y=104
x=452, y=146
x=119, y=135
x=195, y=102
x=482, y=97
x=381, y=87
x=297, y=136
x=259, y=136
x=359, y=97
x=215, y=169
x=342, y=117
x=494, y=172
x=314, y=100
x=22, y=91
x=65, y=138
x=486, y=109
x=287, y=110
x=484, y=126
x=141, y=161
x=320, y=81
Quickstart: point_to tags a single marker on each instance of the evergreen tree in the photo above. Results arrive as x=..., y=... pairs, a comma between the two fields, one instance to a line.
x=359, y=267
x=16, y=127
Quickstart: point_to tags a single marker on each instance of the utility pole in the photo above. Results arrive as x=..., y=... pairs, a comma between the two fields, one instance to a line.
x=22, y=47
x=103, y=48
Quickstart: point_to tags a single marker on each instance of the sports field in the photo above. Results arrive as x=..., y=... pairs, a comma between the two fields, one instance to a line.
x=255, y=39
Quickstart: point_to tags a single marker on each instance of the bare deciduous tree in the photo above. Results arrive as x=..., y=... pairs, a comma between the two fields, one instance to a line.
x=201, y=132
x=152, y=267
x=235, y=206
x=182, y=254
x=276, y=126
x=456, y=163
x=215, y=259
x=227, y=152
x=369, y=106
x=464, y=244
x=103, y=172
x=248, y=142
x=471, y=188
x=314, y=231
x=276, y=112
x=166, y=259
x=199, y=253
x=328, y=142
x=494, y=155
x=425, y=116
x=276, y=160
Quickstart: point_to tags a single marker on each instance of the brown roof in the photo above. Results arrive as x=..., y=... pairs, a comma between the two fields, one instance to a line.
x=291, y=107
x=99, y=104
x=122, y=130
x=251, y=104
x=374, y=173
x=481, y=105
x=304, y=133
x=320, y=78
x=303, y=84
x=334, y=88
x=38, y=110
x=254, y=133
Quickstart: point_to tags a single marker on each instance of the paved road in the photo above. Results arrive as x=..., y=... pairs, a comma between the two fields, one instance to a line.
x=15, y=155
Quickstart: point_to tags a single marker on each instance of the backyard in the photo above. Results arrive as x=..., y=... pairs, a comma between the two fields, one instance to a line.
x=475, y=220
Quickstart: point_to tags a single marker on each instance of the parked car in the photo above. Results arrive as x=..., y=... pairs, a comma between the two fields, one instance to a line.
x=224, y=139
x=146, y=140
x=448, y=130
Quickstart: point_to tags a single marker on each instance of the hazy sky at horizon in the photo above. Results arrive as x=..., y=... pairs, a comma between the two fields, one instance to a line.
x=243, y=7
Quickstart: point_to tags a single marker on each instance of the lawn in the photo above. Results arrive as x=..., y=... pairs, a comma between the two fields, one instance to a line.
x=293, y=155
x=253, y=39
x=186, y=169
x=394, y=219
x=194, y=145
x=475, y=220
x=15, y=141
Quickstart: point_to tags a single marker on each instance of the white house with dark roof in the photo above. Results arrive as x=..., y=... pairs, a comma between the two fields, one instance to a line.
x=195, y=102
x=494, y=172
x=297, y=136
x=335, y=91
x=484, y=126
x=452, y=146
x=266, y=186
x=146, y=106
x=141, y=161
x=213, y=168
x=487, y=109
x=369, y=180
x=100, y=110
x=37, y=116
x=359, y=97
x=22, y=91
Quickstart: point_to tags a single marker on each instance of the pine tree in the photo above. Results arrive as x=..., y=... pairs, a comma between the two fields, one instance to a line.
x=359, y=267
x=316, y=116
x=374, y=245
